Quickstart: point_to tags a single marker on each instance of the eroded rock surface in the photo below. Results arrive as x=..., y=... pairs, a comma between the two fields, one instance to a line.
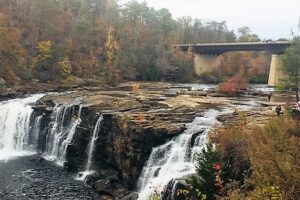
x=133, y=123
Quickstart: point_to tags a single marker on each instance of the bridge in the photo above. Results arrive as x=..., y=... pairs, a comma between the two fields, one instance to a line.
x=206, y=55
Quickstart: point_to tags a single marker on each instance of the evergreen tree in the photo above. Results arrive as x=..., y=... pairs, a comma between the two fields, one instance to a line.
x=207, y=169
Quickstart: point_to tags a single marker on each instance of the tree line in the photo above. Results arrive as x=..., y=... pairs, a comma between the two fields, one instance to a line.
x=61, y=40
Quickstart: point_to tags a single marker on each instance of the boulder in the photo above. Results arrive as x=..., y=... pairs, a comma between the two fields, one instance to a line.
x=104, y=187
x=129, y=196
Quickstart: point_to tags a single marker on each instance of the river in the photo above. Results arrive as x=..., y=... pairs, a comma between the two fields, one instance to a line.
x=26, y=175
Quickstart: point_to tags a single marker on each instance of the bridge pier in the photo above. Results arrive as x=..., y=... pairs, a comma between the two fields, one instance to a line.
x=205, y=63
x=275, y=74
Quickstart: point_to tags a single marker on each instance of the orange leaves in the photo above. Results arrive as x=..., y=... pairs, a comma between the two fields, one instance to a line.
x=11, y=49
x=141, y=117
x=233, y=85
x=135, y=88
x=248, y=64
x=230, y=87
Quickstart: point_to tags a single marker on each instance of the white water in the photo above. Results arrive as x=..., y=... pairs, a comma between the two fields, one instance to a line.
x=62, y=132
x=92, y=144
x=176, y=158
x=204, y=87
x=88, y=171
x=70, y=136
x=261, y=88
x=36, y=131
x=14, y=127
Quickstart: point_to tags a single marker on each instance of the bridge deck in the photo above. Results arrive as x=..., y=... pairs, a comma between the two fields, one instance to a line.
x=220, y=48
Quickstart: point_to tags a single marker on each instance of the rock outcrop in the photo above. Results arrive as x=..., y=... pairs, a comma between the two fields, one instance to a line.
x=133, y=123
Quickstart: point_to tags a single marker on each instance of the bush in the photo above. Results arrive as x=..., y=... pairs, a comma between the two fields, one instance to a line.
x=69, y=81
x=259, y=164
x=274, y=156
x=233, y=86
x=182, y=65
x=232, y=145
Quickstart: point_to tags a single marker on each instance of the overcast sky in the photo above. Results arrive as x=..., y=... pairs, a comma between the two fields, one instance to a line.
x=268, y=18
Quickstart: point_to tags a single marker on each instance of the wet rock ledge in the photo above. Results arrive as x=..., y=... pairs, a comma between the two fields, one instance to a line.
x=133, y=123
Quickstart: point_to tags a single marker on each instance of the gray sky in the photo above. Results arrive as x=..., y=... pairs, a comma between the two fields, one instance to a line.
x=267, y=18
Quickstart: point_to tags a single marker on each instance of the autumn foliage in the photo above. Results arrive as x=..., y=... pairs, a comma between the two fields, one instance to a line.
x=253, y=66
x=135, y=88
x=233, y=86
x=54, y=41
x=262, y=163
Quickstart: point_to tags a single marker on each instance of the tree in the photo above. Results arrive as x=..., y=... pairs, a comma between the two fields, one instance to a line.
x=246, y=35
x=291, y=66
x=208, y=169
x=12, y=52
x=111, y=49
x=51, y=62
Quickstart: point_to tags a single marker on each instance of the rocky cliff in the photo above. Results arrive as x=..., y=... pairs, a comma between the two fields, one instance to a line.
x=133, y=123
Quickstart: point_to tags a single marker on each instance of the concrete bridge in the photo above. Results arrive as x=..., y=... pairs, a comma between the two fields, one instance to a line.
x=207, y=55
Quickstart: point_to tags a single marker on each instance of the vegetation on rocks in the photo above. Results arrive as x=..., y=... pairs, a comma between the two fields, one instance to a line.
x=251, y=164
x=233, y=86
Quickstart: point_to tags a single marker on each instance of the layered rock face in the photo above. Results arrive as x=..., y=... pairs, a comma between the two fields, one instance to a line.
x=132, y=125
x=108, y=134
x=134, y=122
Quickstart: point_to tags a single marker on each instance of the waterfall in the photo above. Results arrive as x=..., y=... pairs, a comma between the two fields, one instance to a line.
x=92, y=143
x=82, y=175
x=176, y=158
x=15, y=127
x=71, y=134
x=36, y=132
x=64, y=123
x=19, y=136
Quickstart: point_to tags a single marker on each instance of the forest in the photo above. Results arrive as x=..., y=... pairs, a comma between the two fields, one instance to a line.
x=64, y=41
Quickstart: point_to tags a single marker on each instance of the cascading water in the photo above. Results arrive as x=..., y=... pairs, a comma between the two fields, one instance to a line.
x=92, y=144
x=70, y=136
x=15, y=127
x=176, y=158
x=61, y=133
x=82, y=175
x=36, y=131
x=19, y=136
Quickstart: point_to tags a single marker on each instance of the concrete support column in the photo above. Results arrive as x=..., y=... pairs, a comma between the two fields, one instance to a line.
x=205, y=63
x=275, y=74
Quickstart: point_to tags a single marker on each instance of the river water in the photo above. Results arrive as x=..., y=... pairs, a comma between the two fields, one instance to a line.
x=24, y=175
x=176, y=158
x=31, y=177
